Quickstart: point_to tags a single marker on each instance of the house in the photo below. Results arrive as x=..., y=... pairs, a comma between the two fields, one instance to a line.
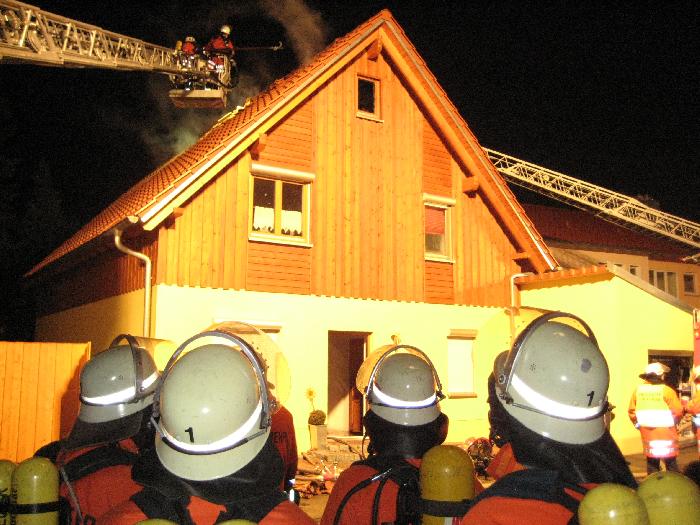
x=346, y=206
x=578, y=238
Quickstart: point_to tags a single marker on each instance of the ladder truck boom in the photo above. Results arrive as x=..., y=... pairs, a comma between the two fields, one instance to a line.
x=28, y=34
x=607, y=204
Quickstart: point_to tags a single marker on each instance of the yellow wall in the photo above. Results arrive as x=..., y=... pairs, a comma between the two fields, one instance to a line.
x=97, y=322
x=628, y=322
x=304, y=323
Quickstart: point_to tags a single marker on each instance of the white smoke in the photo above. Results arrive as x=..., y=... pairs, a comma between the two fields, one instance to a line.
x=304, y=26
x=173, y=129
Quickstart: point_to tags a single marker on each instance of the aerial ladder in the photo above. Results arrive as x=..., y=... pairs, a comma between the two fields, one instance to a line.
x=31, y=35
x=604, y=203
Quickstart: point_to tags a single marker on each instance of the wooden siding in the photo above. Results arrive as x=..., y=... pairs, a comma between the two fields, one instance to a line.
x=439, y=282
x=437, y=164
x=38, y=394
x=367, y=230
x=278, y=268
x=109, y=273
x=207, y=243
x=288, y=144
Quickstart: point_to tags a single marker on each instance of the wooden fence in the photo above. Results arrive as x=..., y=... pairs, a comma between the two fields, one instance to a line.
x=39, y=388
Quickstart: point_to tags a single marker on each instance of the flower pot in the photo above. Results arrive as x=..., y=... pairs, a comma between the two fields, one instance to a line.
x=318, y=435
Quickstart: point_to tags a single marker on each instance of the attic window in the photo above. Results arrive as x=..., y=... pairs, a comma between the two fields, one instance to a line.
x=438, y=242
x=367, y=97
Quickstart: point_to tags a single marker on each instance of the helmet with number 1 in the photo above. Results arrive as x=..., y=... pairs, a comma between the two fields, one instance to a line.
x=554, y=379
x=213, y=403
x=401, y=385
x=116, y=387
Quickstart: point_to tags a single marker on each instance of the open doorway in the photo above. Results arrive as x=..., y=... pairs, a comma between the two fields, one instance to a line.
x=680, y=363
x=346, y=351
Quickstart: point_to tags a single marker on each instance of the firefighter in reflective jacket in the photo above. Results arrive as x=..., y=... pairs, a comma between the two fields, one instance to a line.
x=214, y=459
x=547, y=405
x=403, y=422
x=95, y=460
x=693, y=406
x=655, y=410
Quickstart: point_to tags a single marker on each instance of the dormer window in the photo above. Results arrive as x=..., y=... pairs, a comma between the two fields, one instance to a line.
x=368, y=97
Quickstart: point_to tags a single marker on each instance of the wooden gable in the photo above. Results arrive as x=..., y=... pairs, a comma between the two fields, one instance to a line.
x=370, y=177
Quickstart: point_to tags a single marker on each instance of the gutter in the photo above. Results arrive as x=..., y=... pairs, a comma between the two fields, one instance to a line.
x=118, y=230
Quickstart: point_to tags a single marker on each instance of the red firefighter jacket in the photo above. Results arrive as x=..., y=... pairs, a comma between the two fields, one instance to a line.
x=358, y=509
x=282, y=430
x=206, y=513
x=655, y=410
x=102, y=490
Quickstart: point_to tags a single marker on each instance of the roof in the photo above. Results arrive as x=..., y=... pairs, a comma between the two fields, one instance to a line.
x=151, y=200
x=583, y=230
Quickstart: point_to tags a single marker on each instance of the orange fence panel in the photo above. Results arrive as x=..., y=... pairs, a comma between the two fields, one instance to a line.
x=39, y=387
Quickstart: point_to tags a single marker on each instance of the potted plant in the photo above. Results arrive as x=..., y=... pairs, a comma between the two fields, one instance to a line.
x=318, y=431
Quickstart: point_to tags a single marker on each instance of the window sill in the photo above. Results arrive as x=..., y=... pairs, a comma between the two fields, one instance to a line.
x=439, y=258
x=369, y=116
x=279, y=239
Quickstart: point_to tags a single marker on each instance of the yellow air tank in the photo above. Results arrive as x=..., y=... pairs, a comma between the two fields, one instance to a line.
x=670, y=497
x=612, y=504
x=6, y=469
x=446, y=474
x=35, y=492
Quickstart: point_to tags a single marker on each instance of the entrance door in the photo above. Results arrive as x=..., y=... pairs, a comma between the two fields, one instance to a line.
x=346, y=351
x=355, y=357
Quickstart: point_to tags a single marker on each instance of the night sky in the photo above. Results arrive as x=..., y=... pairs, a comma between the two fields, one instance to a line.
x=605, y=92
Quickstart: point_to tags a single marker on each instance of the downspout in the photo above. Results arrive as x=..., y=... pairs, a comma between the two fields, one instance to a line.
x=147, y=271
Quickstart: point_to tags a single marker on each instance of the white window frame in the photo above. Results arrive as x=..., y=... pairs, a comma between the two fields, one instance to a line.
x=667, y=276
x=460, y=364
x=377, y=114
x=274, y=173
x=446, y=204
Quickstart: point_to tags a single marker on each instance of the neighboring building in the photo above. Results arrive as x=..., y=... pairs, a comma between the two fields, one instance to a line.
x=634, y=323
x=345, y=206
x=579, y=238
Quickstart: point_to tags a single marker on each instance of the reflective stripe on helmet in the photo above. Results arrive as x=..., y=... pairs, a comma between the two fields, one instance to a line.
x=548, y=406
x=231, y=441
x=123, y=396
x=655, y=418
x=390, y=401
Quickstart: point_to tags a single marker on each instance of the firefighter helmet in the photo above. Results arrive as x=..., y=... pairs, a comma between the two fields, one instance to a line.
x=554, y=379
x=214, y=407
x=655, y=369
x=115, y=387
x=189, y=39
x=225, y=30
x=401, y=385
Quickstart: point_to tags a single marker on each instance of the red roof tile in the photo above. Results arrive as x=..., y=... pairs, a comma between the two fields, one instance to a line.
x=578, y=227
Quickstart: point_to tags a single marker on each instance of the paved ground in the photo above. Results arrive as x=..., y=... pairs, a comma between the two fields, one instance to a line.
x=314, y=506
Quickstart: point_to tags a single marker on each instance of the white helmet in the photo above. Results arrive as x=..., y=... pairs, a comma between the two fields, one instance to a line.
x=554, y=380
x=401, y=385
x=115, y=386
x=189, y=39
x=214, y=406
x=226, y=30
x=655, y=369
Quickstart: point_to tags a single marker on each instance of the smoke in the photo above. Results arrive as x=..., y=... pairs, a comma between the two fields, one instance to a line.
x=170, y=130
x=304, y=26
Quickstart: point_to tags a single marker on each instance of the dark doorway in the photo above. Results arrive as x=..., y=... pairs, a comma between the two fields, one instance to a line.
x=346, y=351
